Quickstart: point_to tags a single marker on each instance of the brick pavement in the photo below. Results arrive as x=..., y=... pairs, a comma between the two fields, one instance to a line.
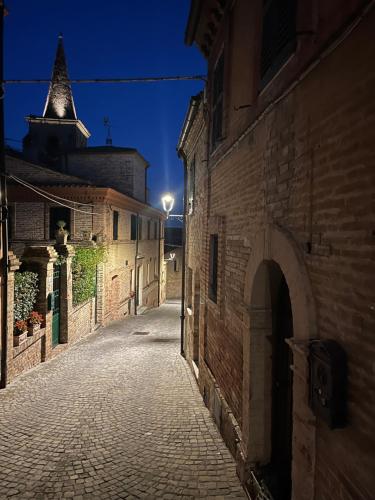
x=117, y=416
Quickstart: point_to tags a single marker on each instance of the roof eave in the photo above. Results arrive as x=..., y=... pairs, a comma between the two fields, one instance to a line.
x=191, y=27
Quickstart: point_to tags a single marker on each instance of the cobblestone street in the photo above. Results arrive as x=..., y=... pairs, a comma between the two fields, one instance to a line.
x=119, y=415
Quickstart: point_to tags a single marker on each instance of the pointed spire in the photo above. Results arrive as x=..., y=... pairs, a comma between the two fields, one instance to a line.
x=59, y=103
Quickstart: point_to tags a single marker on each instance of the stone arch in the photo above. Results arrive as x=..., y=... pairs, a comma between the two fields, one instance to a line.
x=276, y=244
x=275, y=248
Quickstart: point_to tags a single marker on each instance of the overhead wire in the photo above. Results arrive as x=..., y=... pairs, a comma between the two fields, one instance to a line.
x=51, y=199
x=51, y=194
x=115, y=80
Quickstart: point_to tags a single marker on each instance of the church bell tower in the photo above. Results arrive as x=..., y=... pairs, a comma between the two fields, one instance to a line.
x=58, y=131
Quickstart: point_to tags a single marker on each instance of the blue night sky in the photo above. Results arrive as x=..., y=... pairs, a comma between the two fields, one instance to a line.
x=115, y=38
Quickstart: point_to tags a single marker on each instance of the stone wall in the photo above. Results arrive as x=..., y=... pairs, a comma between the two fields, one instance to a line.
x=82, y=320
x=123, y=171
x=174, y=273
x=291, y=183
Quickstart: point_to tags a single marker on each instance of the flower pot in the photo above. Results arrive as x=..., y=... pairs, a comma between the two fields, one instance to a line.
x=19, y=339
x=33, y=329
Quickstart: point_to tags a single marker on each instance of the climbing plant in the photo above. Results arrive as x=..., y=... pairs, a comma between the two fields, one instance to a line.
x=25, y=292
x=84, y=272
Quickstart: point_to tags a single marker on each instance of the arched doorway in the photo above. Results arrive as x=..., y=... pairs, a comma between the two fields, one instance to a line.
x=139, y=292
x=115, y=297
x=279, y=316
x=271, y=380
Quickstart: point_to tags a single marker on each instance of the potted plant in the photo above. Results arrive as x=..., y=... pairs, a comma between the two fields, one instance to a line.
x=34, y=321
x=61, y=234
x=20, y=332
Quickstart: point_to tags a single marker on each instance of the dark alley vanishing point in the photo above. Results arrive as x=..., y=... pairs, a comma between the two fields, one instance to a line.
x=117, y=416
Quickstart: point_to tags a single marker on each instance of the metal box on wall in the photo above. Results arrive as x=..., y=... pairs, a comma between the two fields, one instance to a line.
x=328, y=382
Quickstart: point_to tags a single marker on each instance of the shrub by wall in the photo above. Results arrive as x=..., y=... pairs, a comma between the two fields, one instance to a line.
x=84, y=266
x=25, y=292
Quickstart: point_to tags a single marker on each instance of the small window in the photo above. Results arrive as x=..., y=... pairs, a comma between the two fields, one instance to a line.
x=189, y=286
x=212, y=283
x=278, y=36
x=217, y=102
x=58, y=217
x=148, y=229
x=133, y=227
x=115, y=224
x=155, y=230
x=140, y=228
x=53, y=146
x=191, y=188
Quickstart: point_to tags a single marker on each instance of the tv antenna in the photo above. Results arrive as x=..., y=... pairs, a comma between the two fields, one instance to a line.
x=107, y=125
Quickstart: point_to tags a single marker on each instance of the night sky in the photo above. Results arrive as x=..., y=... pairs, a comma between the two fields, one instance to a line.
x=114, y=38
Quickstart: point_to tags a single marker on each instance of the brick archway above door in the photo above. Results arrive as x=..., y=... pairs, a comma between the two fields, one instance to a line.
x=273, y=244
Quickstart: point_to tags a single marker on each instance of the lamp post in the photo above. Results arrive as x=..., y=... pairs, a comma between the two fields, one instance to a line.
x=168, y=202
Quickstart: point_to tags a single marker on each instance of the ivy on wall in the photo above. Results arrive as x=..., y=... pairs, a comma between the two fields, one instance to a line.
x=25, y=292
x=84, y=272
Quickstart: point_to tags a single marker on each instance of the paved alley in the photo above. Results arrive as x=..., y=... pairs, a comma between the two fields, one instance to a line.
x=119, y=415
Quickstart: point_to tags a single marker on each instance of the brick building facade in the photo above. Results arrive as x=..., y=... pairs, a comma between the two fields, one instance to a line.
x=280, y=239
x=99, y=195
x=130, y=231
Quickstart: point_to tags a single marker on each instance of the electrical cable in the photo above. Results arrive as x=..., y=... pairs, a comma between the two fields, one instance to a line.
x=51, y=199
x=116, y=80
x=51, y=194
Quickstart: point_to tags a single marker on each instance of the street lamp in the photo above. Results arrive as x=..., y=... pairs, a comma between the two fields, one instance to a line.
x=172, y=256
x=168, y=202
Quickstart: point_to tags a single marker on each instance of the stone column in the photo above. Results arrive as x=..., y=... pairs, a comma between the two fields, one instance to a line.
x=41, y=259
x=13, y=266
x=66, y=253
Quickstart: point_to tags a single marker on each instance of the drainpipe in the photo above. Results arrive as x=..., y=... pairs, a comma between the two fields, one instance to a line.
x=136, y=269
x=4, y=222
x=182, y=317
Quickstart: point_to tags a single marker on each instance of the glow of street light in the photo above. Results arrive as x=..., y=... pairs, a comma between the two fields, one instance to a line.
x=168, y=202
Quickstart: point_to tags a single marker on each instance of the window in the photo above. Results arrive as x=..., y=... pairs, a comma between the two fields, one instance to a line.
x=53, y=146
x=278, y=37
x=140, y=228
x=56, y=215
x=133, y=227
x=155, y=230
x=115, y=224
x=148, y=229
x=191, y=188
x=189, y=288
x=212, y=280
x=217, y=102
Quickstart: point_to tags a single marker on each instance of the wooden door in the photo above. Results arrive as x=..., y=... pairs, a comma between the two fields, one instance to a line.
x=56, y=306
